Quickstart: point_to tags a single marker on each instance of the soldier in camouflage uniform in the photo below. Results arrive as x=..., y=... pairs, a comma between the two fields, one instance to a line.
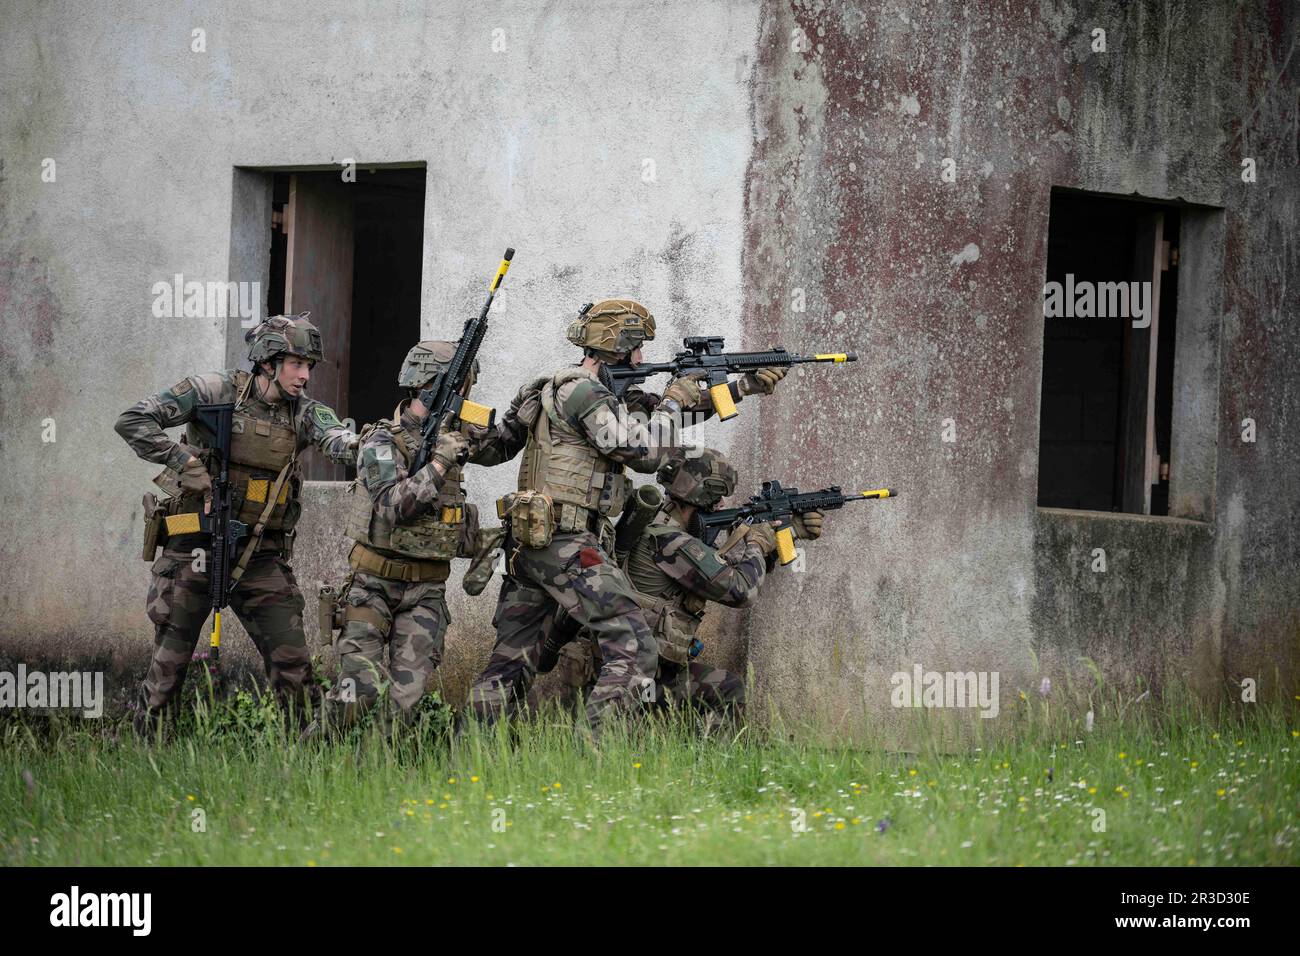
x=405, y=528
x=580, y=440
x=676, y=575
x=274, y=421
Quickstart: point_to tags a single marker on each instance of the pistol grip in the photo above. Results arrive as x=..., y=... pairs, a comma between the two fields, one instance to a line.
x=722, y=401
x=785, y=545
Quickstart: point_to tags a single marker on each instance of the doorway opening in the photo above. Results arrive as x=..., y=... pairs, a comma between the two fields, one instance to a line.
x=351, y=254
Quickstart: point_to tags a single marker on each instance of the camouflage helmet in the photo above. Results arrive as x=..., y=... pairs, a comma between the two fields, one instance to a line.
x=284, y=335
x=703, y=479
x=612, y=326
x=425, y=360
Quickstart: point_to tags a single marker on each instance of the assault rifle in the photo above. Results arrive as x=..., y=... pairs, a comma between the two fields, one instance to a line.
x=442, y=398
x=778, y=504
x=703, y=354
x=216, y=520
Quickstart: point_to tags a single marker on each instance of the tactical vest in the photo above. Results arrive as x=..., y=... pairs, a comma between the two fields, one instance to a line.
x=259, y=450
x=435, y=535
x=560, y=461
x=672, y=612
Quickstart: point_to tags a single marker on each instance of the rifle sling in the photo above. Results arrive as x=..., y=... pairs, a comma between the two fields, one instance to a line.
x=260, y=528
x=737, y=535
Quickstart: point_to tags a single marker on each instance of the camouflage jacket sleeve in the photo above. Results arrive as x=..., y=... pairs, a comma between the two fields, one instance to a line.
x=142, y=424
x=319, y=426
x=397, y=496
x=732, y=579
x=506, y=439
x=635, y=440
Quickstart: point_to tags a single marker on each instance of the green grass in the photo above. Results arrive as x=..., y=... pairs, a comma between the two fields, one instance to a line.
x=1175, y=790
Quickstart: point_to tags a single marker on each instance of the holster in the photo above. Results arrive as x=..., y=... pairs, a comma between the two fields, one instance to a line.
x=155, y=534
x=330, y=614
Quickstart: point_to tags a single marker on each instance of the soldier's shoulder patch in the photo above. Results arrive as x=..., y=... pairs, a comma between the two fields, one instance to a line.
x=181, y=387
x=704, y=558
x=325, y=416
x=376, y=463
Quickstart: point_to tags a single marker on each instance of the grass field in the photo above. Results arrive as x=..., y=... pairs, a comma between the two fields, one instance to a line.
x=1171, y=790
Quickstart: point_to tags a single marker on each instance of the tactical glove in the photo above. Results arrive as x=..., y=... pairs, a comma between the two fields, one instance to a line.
x=808, y=525
x=763, y=535
x=452, y=449
x=195, y=477
x=684, y=391
x=761, y=382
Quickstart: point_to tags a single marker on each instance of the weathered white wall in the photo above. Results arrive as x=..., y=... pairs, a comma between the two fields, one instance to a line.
x=541, y=146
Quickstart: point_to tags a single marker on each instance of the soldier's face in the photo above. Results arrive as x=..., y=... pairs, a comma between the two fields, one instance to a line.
x=634, y=359
x=294, y=373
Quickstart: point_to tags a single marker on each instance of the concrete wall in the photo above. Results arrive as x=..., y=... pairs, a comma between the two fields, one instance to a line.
x=779, y=166
x=541, y=145
x=939, y=284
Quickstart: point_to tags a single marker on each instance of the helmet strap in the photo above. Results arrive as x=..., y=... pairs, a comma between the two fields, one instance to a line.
x=272, y=381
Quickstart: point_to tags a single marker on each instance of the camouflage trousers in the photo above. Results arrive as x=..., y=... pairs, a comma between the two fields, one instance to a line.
x=408, y=620
x=708, y=690
x=573, y=572
x=266, y=601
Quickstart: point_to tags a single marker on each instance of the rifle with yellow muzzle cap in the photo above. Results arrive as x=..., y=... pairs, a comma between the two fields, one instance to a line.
x=443, y=397
x=777, y=504
x=703, y=354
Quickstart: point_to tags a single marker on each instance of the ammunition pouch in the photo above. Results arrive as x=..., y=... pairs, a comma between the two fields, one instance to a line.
x=372, y=562
x=468, y=544
x=672, y=626
x=532, y=517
